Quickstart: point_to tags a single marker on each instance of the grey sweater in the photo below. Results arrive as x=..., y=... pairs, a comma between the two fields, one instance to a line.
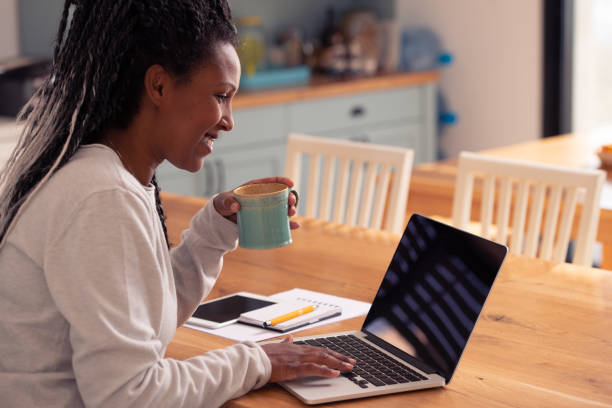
x=90, y=297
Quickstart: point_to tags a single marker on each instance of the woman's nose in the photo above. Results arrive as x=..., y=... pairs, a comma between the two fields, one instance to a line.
x=227, y=121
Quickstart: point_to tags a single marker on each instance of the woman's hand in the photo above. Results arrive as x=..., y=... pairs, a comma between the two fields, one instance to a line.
x=290, y=361
x=227, y=206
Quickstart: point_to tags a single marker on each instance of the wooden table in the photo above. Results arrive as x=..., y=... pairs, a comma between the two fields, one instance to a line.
x=544, y=338
x=432, y=185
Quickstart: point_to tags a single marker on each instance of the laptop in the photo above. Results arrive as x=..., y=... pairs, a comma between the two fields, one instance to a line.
x=420, y=320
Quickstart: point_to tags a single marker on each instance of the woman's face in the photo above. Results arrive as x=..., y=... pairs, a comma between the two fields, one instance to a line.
x=197, y=110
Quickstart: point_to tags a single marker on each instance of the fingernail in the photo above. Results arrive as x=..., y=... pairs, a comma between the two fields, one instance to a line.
x=234, y=207
x=349, y=366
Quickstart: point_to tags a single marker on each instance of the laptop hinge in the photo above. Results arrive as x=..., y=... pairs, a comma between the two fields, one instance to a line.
x=399, y=353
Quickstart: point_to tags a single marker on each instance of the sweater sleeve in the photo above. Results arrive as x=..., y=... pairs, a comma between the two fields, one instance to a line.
x=106, y=276
x=197, y=261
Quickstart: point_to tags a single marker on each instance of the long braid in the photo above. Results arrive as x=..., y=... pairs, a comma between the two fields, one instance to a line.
x=96, y=80
x=160, y=209
x=51, y=155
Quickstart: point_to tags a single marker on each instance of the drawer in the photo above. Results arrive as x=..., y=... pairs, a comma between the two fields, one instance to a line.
x=177, y=181
x=399, y=134
x=253, y=126
x=166, y=169
x=224, y=171
x=355, y=110
x=227, y=171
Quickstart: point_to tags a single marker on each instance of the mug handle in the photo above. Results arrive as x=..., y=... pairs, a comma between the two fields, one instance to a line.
x=297, y=197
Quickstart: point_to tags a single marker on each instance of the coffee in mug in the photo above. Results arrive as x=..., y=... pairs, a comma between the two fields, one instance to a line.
x=263, y=221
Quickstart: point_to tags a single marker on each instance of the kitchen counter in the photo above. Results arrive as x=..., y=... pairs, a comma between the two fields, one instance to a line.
x=323, y=86
x=395, y=109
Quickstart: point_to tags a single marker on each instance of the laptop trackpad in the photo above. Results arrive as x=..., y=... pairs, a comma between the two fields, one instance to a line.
x=310, y=382
x=311, y=389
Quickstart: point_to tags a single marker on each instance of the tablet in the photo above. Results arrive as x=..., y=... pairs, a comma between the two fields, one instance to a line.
x=227, y=309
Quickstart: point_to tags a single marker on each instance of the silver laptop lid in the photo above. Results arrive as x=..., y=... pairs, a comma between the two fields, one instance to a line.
x=432, y=294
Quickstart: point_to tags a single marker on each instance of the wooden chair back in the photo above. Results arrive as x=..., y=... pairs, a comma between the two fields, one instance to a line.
x=353, y=183
x=551, y=193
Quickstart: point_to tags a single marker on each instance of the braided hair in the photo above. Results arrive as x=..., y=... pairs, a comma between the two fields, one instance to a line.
x=96, y=80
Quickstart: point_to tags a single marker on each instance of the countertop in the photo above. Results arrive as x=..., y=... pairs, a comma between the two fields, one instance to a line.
x=321, y=86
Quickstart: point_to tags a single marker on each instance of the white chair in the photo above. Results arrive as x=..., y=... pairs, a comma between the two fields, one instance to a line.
x=368, y=182
x=534, y=185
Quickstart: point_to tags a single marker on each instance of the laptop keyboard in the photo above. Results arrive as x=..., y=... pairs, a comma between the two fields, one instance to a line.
x=372, y=366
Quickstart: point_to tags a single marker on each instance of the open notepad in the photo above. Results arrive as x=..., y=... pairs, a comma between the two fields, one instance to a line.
x=243, y=332
x=322, y=310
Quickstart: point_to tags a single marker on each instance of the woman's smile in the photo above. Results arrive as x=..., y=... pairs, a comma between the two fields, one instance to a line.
x=208, y=141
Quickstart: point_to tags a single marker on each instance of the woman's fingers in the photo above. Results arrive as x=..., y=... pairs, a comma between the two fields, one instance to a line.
x=292, y=210
x=293, y=199
x=332, y=359
x=321, y=362
x=319, y=370
x=291, y=361
x=226, y=205
x=337, y=357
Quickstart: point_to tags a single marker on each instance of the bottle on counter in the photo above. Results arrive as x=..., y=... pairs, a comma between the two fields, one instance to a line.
x=252, y=45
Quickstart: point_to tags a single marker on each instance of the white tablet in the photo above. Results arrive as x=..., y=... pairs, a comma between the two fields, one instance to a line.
x=227, y=309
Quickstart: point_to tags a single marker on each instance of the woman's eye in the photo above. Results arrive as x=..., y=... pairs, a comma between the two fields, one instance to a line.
x=221, y=97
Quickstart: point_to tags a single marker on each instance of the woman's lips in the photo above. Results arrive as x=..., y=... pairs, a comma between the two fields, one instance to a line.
x=208, y=141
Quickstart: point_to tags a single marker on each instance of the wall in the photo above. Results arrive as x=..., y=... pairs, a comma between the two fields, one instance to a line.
x=309, y=15
x=39, y=19
x=592, y=76
x=494, y=83
x=9, y=40
x=38, y=23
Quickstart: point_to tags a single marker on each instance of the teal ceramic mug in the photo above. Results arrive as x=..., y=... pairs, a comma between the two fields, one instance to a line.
x=263, y=221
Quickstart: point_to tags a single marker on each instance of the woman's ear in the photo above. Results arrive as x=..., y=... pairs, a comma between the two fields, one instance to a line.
x=156, y=82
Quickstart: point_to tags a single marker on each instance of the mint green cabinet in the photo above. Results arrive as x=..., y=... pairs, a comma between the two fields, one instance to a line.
x=231, y=169
x=255, y=148
x=404, y=116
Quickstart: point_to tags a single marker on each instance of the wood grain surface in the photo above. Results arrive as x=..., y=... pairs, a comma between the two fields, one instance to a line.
x=544, y=338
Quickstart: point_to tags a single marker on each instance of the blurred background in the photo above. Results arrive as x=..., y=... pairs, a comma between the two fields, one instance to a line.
x=510, y=71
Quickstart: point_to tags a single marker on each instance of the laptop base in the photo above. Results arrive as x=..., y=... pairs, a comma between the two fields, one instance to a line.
x=318, y=390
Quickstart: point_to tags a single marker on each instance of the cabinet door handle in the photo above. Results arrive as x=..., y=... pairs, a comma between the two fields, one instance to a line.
x=363, y=138
x=357, y=111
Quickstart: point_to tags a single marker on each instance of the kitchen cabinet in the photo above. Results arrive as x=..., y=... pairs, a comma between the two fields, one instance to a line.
x=231, y=169
x=254, y=148
x=399, y=117
x=224, y=171
x=398, y=111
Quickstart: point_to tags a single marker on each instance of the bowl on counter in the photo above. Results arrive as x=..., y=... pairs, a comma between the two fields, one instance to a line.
x=605, y=155
x=276, y=77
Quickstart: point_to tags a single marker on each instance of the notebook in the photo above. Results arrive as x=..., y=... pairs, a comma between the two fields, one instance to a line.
x=321, y=311
x=420, y=320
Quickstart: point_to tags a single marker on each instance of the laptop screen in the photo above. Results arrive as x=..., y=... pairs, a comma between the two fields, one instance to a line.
x=433, y=291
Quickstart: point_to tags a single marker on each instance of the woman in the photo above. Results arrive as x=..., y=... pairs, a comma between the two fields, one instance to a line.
x=90, y=294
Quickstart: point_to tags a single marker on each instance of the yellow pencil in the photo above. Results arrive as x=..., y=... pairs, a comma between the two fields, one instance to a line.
x=289, y=316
